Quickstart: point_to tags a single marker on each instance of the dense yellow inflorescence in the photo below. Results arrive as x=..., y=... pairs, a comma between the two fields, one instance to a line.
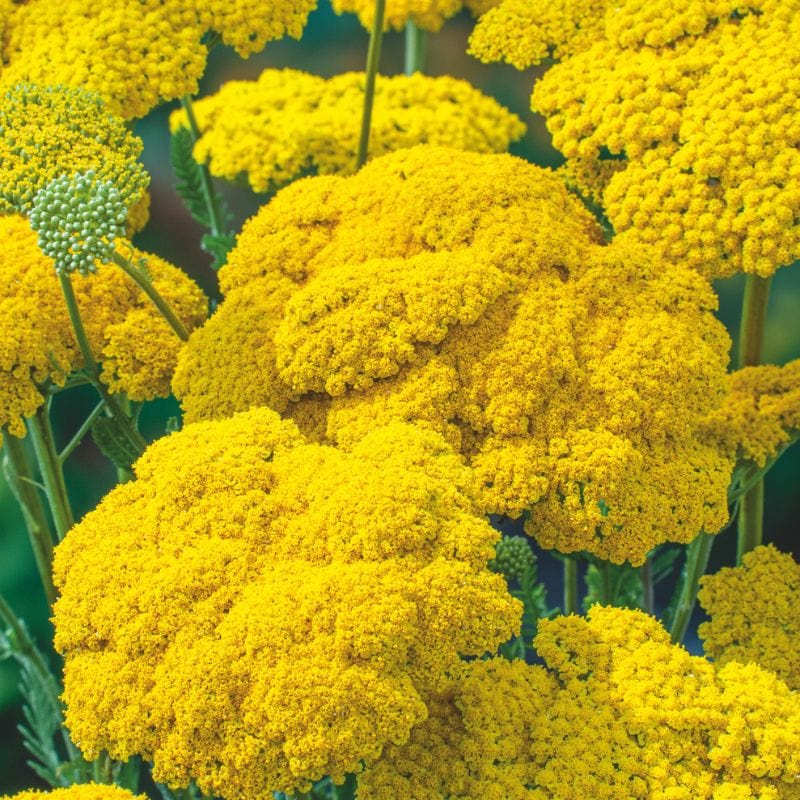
x=255, y=612
x=136, y=53
x=83, y=791
x=137, y=347
x=753, y=609
x=50, y=131
x=470, y=294
x=290, y=123
x=760, y=414
x=618, y=712
x=678, y=116
x=427, y=14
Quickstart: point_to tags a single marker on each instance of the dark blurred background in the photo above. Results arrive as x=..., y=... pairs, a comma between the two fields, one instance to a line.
x=331, y=45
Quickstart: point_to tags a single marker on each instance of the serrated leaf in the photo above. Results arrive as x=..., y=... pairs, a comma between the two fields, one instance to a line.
x=113, y=443
x=189, y=185
x=218, y=247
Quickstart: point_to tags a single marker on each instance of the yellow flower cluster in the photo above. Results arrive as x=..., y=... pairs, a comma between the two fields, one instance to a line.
x=680, y=116
x=427, y=14
x=760, y=414
x=469, y=293
x=753, y=609
x=255, y=612
x=618, y=712
x=137, y=347
x=135, y=53
x=87, y=791
x=289, y=123
x=50, y=131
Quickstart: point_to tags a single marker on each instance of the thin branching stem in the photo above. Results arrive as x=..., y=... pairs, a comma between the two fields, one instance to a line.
x=570, y=585
x=697, y=555
x=416, y=40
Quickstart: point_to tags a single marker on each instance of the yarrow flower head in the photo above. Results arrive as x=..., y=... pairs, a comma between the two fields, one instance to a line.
x=470, y=294
x=136, y=53
x=255, y=612
x=427, y=14
x=48, y=132
x=290, y=123
x=753, y=610
x=617, y=711
x=77, y=219
x=135, y=345
x=81, y=791
x=679, y=117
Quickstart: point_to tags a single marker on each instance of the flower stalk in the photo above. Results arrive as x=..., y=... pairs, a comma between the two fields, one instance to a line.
x=697, y=555
x=373, y=59
x=145, y=284
x=19, y=475
x=570, y=585
x=41, y=433
x=415, y=42
x=750, y=522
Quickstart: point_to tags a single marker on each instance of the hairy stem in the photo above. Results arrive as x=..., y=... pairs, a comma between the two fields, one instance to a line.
x=41, y=433
x=23, y=647
x=416, y=39
x=212, y=201
x=373, y=58
x=697, y=555
x=146, y=285
x=750, y=523
x=19, y=474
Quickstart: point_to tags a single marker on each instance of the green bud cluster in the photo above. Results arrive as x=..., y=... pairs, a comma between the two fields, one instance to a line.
x=78, y=218
x=513, y=557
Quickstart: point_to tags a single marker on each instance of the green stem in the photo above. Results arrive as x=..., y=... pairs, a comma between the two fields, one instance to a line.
x=373, y=58
x=146, y=285
x=607, y=591
x=19, y=474
x=212, y=201
x=697, y=555
x=416, y=39
x=134, y=437
x=347, y=791
x=81, y=432
x=648, y=589
x=44, y=446
x=570, y=585
x=750, y=522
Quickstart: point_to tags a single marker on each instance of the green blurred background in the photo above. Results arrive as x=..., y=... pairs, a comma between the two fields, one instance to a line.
x=330, y=45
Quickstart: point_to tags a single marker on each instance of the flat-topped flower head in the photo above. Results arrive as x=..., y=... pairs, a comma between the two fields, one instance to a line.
x=255, y=612
x=77, y=219
x=427, y=14
x=48, y=132
x=760, y=414
x=290, y=123
x=136, y=53
x=678, y=116
x=753, y=610
x=470, y=294
x=134, y=344
x=617, y=711
x=79, y=791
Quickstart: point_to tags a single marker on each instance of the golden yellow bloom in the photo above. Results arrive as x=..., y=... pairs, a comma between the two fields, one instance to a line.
x=470, y=294
x=618, y=712
x=760, y=414
x=256, y=612
x=427, y=14
x=753, y=609
x=137, y=347
x=50, y=131
x=88, y=791
x=136, y=53
x=289, y=123
x=679, y=115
